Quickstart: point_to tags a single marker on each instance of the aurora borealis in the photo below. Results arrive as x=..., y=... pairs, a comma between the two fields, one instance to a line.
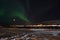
x=12, y=9
x=29, y=11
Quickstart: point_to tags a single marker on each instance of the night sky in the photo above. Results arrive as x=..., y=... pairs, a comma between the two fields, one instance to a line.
x=44, y=10
x=11, y=10
x=28, y=11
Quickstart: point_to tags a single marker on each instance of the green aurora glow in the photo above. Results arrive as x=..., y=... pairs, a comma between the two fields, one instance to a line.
x=13, y=11
x=20, y=15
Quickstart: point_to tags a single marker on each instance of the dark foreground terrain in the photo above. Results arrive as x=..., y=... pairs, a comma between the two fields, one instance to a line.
x=29, y=34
